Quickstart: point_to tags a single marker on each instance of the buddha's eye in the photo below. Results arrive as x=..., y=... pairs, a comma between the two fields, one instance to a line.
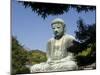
x=58, y=27
x=53, y=28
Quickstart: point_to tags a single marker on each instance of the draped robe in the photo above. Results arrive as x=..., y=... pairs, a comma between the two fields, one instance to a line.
x=59, y=59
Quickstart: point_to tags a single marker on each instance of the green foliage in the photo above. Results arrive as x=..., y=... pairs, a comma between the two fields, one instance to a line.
x=46, y=9
x=22, y=57
x=19, y=58
x=85, y=52
x=85, y=48
x=37, y=56
x=86, y=34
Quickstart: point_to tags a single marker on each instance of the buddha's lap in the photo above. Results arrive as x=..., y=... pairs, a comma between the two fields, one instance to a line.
x=46, y=65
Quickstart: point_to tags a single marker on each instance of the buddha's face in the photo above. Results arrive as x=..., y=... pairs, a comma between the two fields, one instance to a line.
x=58, y=29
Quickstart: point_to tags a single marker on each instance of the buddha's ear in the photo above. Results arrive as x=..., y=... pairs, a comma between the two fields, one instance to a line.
x=64, y=26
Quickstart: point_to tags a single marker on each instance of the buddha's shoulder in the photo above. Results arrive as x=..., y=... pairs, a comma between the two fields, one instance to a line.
x=69, y=37
x=50, y=40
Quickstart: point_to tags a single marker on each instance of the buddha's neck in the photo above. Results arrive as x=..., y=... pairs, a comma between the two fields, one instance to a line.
x=59, y=37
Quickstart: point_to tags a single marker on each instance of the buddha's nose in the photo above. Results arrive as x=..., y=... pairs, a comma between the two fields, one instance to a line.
x=56, y=31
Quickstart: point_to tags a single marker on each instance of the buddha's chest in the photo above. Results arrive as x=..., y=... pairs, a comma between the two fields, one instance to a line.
x=59, y=49
x=57, y=45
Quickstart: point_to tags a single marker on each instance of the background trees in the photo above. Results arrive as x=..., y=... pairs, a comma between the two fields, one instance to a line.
x=85, y=48
x=46, y=9
x=19, y=58
x=86, y=34
x=22, y=57
x=36, y=56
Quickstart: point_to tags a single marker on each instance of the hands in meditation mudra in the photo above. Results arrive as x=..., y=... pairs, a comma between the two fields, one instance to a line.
x=58, y=57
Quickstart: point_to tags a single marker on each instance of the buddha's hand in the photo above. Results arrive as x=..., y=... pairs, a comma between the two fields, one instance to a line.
x=68, y=58
x=51, y=61
x=63, y=60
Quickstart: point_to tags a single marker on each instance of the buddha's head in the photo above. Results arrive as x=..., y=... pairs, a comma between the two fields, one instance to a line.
x=58, y=27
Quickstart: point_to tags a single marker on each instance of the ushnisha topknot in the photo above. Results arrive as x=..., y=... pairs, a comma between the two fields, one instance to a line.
x=58, y=20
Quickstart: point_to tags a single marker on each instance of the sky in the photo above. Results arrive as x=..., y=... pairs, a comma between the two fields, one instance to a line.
x=33, y=32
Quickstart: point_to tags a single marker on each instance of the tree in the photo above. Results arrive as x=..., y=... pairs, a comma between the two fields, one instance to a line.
x=46, y=9
x=19, y=58
x=85, y=48
x=36, y=57
x=86, y=34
